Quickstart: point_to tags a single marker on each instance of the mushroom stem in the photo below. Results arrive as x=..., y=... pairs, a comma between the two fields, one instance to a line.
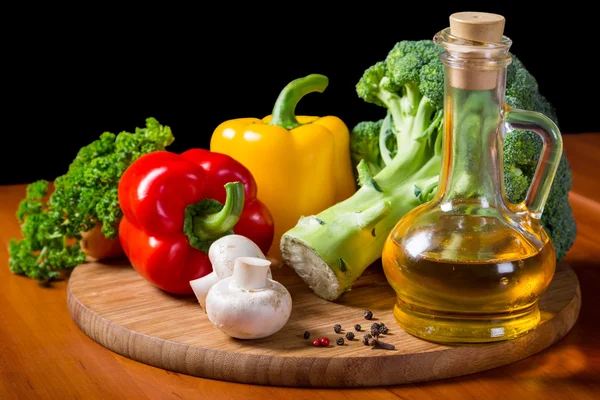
x=201, y=286
x=250, y=273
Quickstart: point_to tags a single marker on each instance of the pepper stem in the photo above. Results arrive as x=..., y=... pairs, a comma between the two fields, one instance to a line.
x=213, y=225
x=284, y=111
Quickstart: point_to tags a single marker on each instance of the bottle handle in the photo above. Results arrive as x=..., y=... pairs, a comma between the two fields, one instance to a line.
x=549, y=159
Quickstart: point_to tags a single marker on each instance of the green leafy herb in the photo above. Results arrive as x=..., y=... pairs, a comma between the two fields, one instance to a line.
x=84, y=196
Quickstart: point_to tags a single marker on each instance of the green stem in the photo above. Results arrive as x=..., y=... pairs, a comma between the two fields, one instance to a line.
x=372, y=215
x=214, y=225
x=284, y=111
x=365, y=176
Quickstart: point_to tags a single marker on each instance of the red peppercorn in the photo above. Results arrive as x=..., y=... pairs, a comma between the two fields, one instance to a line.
x=325, y=342
x=317, y=342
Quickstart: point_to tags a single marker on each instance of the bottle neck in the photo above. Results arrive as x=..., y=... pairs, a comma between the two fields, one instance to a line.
x=472, y=162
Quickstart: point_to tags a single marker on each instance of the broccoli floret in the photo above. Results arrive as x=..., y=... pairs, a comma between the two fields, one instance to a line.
x=365, y=146
x=373, y=86
x=410, y=84
x=521, y=86
x=522, y=150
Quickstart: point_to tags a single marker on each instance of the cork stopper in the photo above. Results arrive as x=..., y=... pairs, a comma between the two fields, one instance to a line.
x=478, y=27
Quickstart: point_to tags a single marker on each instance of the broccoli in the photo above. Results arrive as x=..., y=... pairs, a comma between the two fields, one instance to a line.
x=522, y=151
x=400, y=166
x=365, y=146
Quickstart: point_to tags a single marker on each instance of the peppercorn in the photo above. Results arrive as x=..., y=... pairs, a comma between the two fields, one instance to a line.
x=375, y=329
x=357, y=328
x=383, y=330
x=366, y=339
x=337, y=328
x=317, y=342
x=306, y=335
x=325, y=342
x=368, y=315
x=350, y=335
x=340, y=341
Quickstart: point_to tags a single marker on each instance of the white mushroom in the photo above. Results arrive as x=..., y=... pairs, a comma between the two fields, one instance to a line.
x=222, y=254
x=248, y=305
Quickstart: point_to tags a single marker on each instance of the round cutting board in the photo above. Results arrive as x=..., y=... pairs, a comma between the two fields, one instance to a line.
x=115, y=307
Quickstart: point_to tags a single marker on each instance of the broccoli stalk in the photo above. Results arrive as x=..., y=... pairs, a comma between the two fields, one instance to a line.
x=332, y=249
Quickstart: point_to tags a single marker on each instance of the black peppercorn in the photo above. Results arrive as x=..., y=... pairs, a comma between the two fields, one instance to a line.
x=350, y=335
x=340, y=341
x=306, y=335
x=366, y=339
x=337, y=328
x=368, y=315
x=357, y=328
x=383, y=329
x=375, y=329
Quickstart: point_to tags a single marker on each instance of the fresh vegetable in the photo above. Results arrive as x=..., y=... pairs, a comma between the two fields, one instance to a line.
x=365, y=145
x=98, y=247
x=331, y=249
x=248, y=305
x=176, y=205
x=301, y=163
x=83, y=203
x=256, y=222
x=222, y=255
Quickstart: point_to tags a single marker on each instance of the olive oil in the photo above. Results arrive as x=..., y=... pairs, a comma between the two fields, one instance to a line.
x=478, y=280
x=469, y=266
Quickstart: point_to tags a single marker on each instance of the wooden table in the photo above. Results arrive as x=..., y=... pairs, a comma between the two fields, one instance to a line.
x=44, y=355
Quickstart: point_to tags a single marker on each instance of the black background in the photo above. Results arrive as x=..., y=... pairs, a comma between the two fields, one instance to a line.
x=71, y=74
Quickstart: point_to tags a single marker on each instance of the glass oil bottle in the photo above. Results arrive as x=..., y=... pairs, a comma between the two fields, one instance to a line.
x=468, y=266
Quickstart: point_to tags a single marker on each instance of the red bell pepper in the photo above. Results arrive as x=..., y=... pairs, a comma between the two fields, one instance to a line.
x=174, y=207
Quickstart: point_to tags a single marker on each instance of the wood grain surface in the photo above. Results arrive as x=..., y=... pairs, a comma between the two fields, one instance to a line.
x=117, y=308
x=44, y=355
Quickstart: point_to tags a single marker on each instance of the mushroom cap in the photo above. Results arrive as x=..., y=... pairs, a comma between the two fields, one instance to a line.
x=248, y=314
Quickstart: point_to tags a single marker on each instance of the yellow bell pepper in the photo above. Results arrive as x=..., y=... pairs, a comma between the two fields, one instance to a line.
x=301, y=163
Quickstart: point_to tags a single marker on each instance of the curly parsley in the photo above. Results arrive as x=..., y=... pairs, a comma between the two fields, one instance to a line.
x=85, y=194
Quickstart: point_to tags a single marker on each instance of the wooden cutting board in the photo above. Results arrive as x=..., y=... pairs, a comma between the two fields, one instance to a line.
x=115, y=307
